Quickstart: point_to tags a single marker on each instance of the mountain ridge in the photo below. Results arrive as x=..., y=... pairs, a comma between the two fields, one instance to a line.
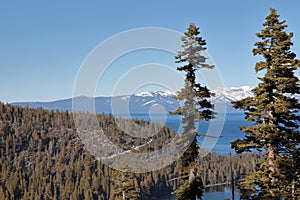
x=141, y=102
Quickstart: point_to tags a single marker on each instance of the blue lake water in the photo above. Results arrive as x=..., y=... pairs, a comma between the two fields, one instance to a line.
x=224, y=129
x=214, y=193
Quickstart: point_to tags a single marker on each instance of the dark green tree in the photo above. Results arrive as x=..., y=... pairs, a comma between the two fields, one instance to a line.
x=196, y=107
x=274, y=111
x=125, y=185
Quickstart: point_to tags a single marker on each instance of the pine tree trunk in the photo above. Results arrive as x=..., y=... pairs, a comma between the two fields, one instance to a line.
x=293, y=191
x=192, y=176
x=271, y=155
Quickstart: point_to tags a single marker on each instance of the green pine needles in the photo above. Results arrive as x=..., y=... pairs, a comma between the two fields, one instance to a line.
x=275, y=115
x=196, y=107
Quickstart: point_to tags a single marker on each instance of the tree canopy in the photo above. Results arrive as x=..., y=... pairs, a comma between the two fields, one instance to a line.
x=196, y=107
x=274, y=110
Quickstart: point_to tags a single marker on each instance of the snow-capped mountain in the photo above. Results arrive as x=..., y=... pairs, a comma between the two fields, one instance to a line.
x=232, y=94
x=220, y=94
x=157, y=93
x=140, y=102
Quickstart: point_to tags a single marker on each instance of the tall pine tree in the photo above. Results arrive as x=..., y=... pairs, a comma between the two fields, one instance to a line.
x=274, y=111
x=196, y=107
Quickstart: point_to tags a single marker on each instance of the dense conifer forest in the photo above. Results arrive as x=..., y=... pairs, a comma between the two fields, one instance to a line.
x=42, y=157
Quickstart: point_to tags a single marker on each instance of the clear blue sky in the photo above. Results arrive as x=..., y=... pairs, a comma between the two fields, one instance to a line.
x=43, y=43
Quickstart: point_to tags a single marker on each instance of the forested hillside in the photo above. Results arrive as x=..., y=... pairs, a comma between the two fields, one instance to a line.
x=42, y=157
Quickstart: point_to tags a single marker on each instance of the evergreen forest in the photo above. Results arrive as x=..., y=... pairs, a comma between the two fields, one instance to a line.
x=43, y=155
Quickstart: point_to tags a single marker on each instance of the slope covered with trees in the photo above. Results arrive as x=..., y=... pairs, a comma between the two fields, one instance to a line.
x=42, y=157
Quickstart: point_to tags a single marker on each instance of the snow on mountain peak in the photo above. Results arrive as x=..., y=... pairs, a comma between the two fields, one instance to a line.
x=166, y=93
x=144, y=94
x=221, y=94
x=232, y=94
x=156, y=93
x=241, y=88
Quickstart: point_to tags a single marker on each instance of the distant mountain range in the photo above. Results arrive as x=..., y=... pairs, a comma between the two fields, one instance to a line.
x=140, y=102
